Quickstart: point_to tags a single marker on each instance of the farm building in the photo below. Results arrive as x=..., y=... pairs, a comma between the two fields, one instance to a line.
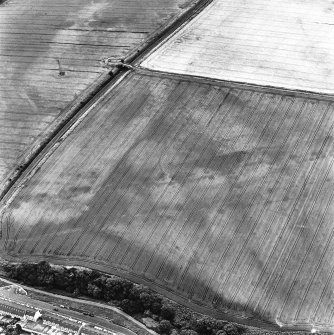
x=37, y=317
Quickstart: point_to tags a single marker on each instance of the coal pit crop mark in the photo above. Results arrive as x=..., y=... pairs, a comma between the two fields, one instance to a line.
x=223, y=164
x=81, y=189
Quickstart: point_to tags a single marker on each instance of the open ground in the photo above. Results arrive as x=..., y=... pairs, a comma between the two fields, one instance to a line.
x=282, y=43
x=221, y=194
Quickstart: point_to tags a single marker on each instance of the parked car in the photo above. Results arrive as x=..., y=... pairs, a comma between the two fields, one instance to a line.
x=88, y=313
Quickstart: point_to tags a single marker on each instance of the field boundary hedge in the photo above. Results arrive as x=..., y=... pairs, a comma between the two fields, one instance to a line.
x=139, y=301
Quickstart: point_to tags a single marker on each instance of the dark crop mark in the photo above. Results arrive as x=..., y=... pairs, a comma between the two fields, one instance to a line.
x=83, y=189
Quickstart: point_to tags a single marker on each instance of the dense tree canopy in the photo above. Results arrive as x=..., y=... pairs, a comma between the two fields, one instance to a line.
x=132, y=298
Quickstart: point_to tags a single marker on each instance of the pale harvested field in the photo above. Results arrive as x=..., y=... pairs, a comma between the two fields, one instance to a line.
x=223, y=195
x=36, y=34
x=285, y=43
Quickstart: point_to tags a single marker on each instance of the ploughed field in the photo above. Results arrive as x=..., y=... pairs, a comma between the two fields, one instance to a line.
x=284, y=43
x=41, y=38
x=219, y=194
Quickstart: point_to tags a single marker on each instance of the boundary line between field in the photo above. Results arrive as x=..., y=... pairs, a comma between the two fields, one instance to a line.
x=236, y=84
x=235, y=317
x=253, y=323
x=52, y=145
x=76, y=106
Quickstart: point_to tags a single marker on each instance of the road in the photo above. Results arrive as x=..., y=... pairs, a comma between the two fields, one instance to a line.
x=86, y=319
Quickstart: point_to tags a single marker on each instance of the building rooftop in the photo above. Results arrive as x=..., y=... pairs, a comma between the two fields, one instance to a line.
x=40, y=317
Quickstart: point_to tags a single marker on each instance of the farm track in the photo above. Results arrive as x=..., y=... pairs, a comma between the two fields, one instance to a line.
x=182, y=217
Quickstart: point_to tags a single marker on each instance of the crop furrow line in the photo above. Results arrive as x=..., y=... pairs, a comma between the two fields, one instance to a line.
x=165, y=117
x=117, y=200
x=226, y=200
x=191, y=193
x=99, y=205
x=163, y=192
x=264, y=179
x=323, y=292
x=189, y=151
x=282, y=145
x=138, y=154
x=36, y=227
x=306, y=220
x=225, y=115
x=280, y=204
x=319, y=263
x=154, y=39
x=245, y=189
x=253, y=108
x=172, y=221
x=191, y=213
x=290, y=234
x=193, y=190
x=297, y=170
x=44, y=232
x=252, y=261
x=118, y=134
x=195, y=282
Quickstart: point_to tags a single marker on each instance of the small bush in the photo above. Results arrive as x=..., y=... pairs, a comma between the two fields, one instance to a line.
x=231, y=329
x=188, y=332
x=133, y=299
x=221, y=332
x=167, y=311
x=165, y=327
x=204, y=325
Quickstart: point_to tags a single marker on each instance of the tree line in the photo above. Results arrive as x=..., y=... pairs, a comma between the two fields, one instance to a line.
x=136, y=300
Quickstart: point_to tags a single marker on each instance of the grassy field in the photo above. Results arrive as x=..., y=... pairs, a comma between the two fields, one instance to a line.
x=220, y=194
x=285, y=43
x=41, y=39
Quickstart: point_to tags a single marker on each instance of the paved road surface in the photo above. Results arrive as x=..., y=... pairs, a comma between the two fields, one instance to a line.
x=65, y=317
x=91, y=303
